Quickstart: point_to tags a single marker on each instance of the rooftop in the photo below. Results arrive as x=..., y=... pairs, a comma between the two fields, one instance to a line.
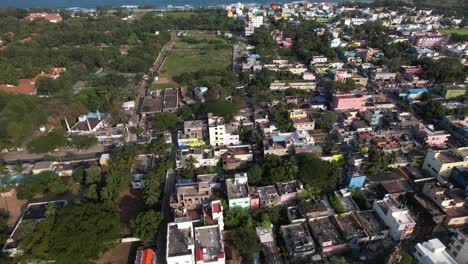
x=371, y=222
x=180, y=238
x=324, y=230
x=208, y=243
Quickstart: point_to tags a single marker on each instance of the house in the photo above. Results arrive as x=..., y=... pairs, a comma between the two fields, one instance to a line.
x=278, y=85
x=458, y=246
x=28, y=86
x=283, y=144
x=180, y=242
x=42, y=166
x=218, y=132
x=88, y=124
x=195, y=129
x=268, y=195
x=297, y=239
x=238, y=191
x=349, y=102
x=416, y=93
x=454, y=91
x=146, y=256
x=63, y=169
x=200, y=92
x=288, y=190
x=351, y=228
x=355, y=179
x=428, y=135
x=52, y=18
x=440, y=163
x=191, y=195
x=395, y=216
x=209, y=246
x=326, y=233
x=459, y=176
x=235, y=157
x=432, y=252
x=372, y=224
x=427, y=40
x=166, y=100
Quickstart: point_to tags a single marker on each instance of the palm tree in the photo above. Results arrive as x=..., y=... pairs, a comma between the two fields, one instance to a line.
x=51, y=209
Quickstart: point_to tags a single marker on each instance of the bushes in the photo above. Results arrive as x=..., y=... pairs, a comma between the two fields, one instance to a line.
x=336, y=204
x=53, y=140
x=360, y=199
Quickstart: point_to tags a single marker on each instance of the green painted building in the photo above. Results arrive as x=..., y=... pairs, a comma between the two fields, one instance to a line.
x=453, y=91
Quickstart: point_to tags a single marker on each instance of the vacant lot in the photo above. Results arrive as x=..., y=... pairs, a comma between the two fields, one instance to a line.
x=195, y=52
x=460, y=31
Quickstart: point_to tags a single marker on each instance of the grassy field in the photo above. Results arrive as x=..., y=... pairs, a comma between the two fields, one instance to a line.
x=205, y=51
x=461, y=31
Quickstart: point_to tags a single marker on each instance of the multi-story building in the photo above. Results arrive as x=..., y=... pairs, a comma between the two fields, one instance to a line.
x=440, y=163
x=458, y=247
x=195, y=129
x=428, y=40
x=349, y=101
x=432, y=252
x=191, y=195
x=298, y=239
x=238, y=191
x=209, y=247
x=396, y=216
x=180, y=242
x=218, y=133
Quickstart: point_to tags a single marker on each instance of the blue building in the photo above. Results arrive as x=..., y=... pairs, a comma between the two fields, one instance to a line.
x=355, y=180
x=459, y=177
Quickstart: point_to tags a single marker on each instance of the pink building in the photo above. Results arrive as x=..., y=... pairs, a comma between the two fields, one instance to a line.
x=428, y=40
x=349, y=101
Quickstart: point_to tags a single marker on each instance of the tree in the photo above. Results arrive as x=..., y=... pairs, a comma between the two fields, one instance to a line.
x=93, y=175
x=146, y=225
x=53, y=140
x=40, y=184
x=83, y=231
x=83, y=142
x=185, y=112
x=51, y=209
x=255, y=175
x=327, y=119
x=324, y=176
x=165, y=121
x=336, y=204
x=92, y=192
x=407, y=258
x=246, y=241
x=238, y=217
x=74, y=188
x=79, y=174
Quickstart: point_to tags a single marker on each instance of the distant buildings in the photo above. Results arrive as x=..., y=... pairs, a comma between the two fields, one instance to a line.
x=28, y=86
x=52, y=18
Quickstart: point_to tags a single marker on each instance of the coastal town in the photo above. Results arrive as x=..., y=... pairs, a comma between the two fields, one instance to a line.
x=283, y=133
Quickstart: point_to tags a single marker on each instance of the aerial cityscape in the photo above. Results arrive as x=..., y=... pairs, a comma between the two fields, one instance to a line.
x=191, y=132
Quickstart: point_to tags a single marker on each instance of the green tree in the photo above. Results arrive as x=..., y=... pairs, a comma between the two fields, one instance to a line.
x=237, y=217
x=79, y=174
x=146, y=225
x=84, y=231
x=165, y=121
x=185, y=112
x=327, y=119
x=336, y=204
x=246, y=241
x=93, y=175
x=255, y=175
x=92, y=192
x=323, y=176
x=83, y=142
x=53, y=140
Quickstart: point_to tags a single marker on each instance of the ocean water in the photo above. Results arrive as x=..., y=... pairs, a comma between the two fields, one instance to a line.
x=155, y=3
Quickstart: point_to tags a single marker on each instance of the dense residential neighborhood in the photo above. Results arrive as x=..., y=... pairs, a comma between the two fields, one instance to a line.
x=279, y=133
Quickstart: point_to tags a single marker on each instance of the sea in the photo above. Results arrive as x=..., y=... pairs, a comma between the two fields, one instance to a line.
x=160, y=4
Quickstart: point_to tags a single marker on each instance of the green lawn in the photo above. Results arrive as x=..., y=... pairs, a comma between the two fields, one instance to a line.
x=210, y=52
x=460, y=31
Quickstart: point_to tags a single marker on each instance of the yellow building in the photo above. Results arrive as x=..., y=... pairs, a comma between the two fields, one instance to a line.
x=297, y=113
x=42, y=166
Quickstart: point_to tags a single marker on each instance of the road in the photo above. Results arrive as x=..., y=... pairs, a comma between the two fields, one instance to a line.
x=62, y=155
x=148, y=79
x=169, y=188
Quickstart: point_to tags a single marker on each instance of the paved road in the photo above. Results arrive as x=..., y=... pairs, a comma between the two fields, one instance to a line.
x=61, y=155
x=166, y=210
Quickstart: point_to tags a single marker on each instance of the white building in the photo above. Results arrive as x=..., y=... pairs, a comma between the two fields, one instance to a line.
x=180, y=242
x=432, y=252
x=395, y=216
x=458, y=247
x=441, y=163
x=219, y=136
x=238, y=191
x=257, y=21
x=209, y=247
